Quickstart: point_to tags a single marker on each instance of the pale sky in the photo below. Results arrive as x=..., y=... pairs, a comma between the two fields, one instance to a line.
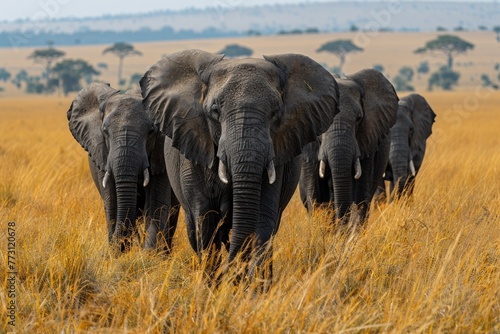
x=55, y=9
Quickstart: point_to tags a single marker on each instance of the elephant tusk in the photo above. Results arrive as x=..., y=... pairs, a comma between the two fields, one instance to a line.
x=412, y=168
x=223, y=172
x=322, y=168
x=146, y=178
x=357, y=168
x=105, y=180
x=271, y=172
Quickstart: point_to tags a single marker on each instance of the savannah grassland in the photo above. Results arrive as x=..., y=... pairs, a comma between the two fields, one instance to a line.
x=428, y=265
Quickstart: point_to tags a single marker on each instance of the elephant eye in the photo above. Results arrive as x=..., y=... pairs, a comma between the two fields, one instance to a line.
x=105, y=129
x=214, y=111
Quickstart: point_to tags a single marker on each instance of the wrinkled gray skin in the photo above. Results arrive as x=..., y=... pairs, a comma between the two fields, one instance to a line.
x=236, y=128
x=126, y=162
x=408, y=142
x=353, y=153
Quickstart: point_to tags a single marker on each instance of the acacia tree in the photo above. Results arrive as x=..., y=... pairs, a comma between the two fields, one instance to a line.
x=340, y=48
x=71, y=72
x=235, y=50
x=446, y=45
x=46, y=58
x=122, y=50
x=496, y=29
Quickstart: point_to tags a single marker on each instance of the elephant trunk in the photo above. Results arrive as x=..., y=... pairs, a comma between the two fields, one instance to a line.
x=127, y=169
x=344, y=162
x=249, y=158
x=126, y=212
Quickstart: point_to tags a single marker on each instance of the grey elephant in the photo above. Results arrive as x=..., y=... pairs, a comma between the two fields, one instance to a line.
x=235, y=131
x=408, y=143
x=344, y=165
x=125, y=153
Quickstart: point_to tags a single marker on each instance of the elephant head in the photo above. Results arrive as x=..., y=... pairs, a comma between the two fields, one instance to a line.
x=245, y=117
x=368, y=106
x=408, y=141
x=114, y=129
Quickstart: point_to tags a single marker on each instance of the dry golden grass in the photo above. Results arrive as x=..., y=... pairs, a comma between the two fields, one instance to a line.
x=429, y=265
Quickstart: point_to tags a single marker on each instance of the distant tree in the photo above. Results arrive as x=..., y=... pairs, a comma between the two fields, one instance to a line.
x=482, y=28
x=46, y=58
x=235, y=50
x=459, y=28
x=252, y=32
x=335, y=70
x=122, y=50
x=311, y=31
x=21, y=76
x=4, y=74
x=34, y=85
x=340, y=48
x=71, y=72
x=444, y=78
x=423, y=68
x=407, y=73
x=448, y=45
x=353, y=28
x=134, y=80
x=441, y=28
x=485, y=79
x=378, y=67
x=401, y=84
x=102, y=66
x=496, y=29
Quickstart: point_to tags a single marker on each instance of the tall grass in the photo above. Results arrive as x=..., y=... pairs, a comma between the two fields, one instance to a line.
x=431, y=264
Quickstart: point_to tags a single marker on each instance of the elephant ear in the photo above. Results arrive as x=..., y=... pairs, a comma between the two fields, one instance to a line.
x=380, y=106
x=85, y=117
x=423, y=117
x=172, y=92
x=310, y=102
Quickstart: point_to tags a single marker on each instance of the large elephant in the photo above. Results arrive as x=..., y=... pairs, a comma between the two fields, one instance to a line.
x=235, y=131
x=408, y=142
x=343, y=165
x=125, y=153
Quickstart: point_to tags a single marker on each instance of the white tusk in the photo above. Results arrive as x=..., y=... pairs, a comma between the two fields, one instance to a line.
x=412, y=168
x=105, y=180
x=146, y=178
x=357, y=168
x=322, y=168
x=223, y=172
x=271, y=172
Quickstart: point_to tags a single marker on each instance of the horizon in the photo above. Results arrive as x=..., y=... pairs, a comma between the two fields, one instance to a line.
x=54, y=10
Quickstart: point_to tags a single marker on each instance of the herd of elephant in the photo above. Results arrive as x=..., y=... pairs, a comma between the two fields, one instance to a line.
x=229, y=140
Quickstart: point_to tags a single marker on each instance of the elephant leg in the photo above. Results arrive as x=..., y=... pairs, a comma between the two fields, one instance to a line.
x=380, y=165
x=363, y=188
x=161, y=214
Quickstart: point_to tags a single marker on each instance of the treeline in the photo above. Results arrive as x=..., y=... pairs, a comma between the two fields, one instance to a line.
x=30, y=38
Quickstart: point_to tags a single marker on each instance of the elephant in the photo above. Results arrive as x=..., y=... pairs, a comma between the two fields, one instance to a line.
x=408, y=143
x=342, y=166
x=235, y=130
x=125, y=154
